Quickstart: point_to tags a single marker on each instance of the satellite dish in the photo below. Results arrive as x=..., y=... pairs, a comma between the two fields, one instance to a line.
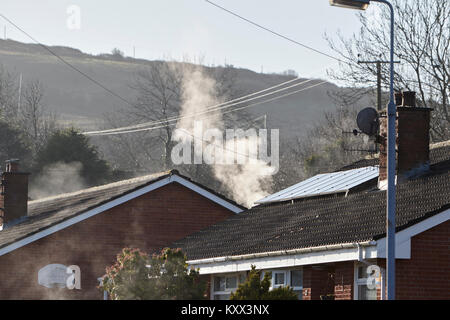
x=367, y=121
x=53, y=276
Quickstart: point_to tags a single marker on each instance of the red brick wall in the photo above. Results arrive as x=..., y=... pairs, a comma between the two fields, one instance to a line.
x=427, y=274
x=13, y=196
x=148, y=222
x=317, y=281
x=344, y=280
x=412, y=140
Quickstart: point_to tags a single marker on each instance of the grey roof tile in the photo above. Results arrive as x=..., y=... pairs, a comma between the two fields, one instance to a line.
x=44, y=213
x=324, y=220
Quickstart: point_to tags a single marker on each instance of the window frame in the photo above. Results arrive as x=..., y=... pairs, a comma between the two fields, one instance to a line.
x=227, y=291
x=243, y=276
x=285, y=275
x=287, y=279
x=357, y=282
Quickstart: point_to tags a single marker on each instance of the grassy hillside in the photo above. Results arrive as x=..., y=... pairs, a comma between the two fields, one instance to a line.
x=81, y=102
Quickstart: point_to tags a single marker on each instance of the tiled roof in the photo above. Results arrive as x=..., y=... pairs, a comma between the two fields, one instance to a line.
x=438, y=153
x=325, y=220
x=44, y=213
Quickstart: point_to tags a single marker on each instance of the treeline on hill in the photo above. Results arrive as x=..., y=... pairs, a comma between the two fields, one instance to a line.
x=63, y=157
x=64, y=160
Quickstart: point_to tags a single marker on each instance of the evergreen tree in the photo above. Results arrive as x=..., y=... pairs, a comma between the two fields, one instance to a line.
x=70, y=146
x=256, y=289
x=137, y=276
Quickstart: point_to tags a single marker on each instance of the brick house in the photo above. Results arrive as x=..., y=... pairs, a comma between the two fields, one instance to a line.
x=88, y=228
x=323, y=235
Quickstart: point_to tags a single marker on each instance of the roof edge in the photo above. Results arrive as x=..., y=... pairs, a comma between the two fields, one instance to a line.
x=283, y=252
x=402, y=235
x=155, y=176
x=113, y=202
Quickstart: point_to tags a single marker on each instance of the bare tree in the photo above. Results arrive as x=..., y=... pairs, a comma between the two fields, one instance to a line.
x=35, y=121
x=9, y=94
x=328, y=146
x=422, y=30
x=159, y=89
x=159, y=99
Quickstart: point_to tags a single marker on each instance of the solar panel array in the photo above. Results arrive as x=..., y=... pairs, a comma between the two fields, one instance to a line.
x=325, y=183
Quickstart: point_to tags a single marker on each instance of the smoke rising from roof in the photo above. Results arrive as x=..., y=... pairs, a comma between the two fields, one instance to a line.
x=248, y=181
x=57, y=178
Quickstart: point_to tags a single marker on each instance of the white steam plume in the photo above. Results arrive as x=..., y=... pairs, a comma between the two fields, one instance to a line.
x=57, y=178
x=247, y=182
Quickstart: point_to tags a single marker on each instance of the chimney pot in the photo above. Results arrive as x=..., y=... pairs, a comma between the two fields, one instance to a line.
x=13, y=193
x=409, y=98
x=412, y=139
x=12, y=165
x=398, y=98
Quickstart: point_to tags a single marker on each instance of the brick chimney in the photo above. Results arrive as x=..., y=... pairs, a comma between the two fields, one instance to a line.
x=13, y=194
x=412, y=139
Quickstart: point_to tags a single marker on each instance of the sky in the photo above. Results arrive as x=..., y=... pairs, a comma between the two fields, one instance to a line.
x=193, y=29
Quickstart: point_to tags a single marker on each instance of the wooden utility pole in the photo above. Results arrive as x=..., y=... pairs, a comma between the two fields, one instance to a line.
x=378, y=63
x=20, y=93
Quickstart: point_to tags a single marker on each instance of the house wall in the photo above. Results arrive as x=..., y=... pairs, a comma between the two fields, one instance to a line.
x=427, y=274
x=149, y=222
x=344, y=280
x=317, y=281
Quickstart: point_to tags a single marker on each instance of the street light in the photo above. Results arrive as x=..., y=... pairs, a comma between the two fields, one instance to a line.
x=391, y=111
x=352, y=4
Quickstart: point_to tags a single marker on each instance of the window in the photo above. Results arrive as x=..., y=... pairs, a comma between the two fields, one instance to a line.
x=362, y=290
x=225, y=284
x=292, y=278
x=297, y=282
x=279, y=279
x=231, y=283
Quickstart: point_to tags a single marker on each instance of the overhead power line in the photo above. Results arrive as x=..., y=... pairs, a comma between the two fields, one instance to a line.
x=145, y=124
x=278, y=97
x=66, y=62
x=274, y=32
x=205, y=110
x=228, y=111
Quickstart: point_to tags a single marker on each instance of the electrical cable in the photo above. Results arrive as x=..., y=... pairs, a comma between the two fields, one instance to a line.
x=66, y=62
x=206, y=110
x=274, y=32
x=228, y=111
